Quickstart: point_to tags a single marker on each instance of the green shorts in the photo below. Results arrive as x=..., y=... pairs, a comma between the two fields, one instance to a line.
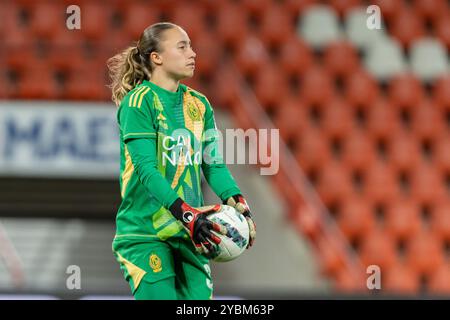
x=164, y=269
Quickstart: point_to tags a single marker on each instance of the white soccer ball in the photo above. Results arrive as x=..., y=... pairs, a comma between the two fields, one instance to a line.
x=234, y=243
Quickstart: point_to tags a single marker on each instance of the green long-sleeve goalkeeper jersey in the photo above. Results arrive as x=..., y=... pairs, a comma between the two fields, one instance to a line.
x=163, y=139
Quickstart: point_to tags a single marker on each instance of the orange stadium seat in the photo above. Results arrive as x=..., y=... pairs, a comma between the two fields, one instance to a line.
x=424, y=253
x=403, y=151
x=295, y=56
x=290, y=118
x=355, y=218
x=252, y=55
x=138, y=16
x=427, y=185
x=380, y=184
x=440, y=220
x=378, y=248
x=351, y=281
x=358, y=151
x=270, y=86
x=402, y=219
x=361, y=88
x=316, y=86
x=337, y=119
x=439, y=281
x=400, y=279
x=341, y=58
x=312, y=150
x=430, y=9
x=405, y=90
x=232, y=25
x=191, y=17
x=276, y=26
x=334, y=182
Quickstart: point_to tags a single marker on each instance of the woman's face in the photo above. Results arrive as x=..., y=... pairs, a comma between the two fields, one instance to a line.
x=177, y=56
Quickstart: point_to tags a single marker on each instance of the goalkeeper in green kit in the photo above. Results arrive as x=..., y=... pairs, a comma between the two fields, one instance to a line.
x=163, y=239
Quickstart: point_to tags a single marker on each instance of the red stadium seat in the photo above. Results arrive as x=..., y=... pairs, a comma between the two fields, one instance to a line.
x=442, y=29
x=276, y=26
x=343, y=6
x=424, y=253
x=405, y=91
x=403, y=151
x=87, y=83
x=355, y=218
x=232, y=25
x=96, y=20
x=290, y=118
x=341, y=58
x=440, y=220
x=390, y=9
x=441, y=158
x=138, y=16
x=38, y=83
x=330, y=256
x=441, y=92
x=430, y=9
x=439, y=282
x=378, y=248
x=47, y=18
x=358, y=151
x=308, y=220
x=252, y=55
x=225, y=93
x=402, y=219
x=337, y=119
x=312, y=149
x=298, y=6
x=256, y=7
x=427, y=122
x=401, y=279
x=208, y=53
x=427, y=185
x=351, y=281
x=407, y=27
x=316, y=86
x=334, y=183
x=191, y=18
x=295, y=56
x=361, y=88
x=381, y=119
x=270, y=85
x=380, y=184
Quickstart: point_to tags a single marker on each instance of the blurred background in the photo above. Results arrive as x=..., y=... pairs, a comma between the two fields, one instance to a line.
x=364, y=119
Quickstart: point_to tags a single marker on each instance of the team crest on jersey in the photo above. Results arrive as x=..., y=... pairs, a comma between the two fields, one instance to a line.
x=155, y=263
x=193, y=111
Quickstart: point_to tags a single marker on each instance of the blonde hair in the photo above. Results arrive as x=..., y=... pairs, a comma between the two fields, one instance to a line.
x=132, y=66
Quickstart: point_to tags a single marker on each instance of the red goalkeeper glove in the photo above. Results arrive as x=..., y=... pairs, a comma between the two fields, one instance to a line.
x=238, y=202
x=198, y=226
